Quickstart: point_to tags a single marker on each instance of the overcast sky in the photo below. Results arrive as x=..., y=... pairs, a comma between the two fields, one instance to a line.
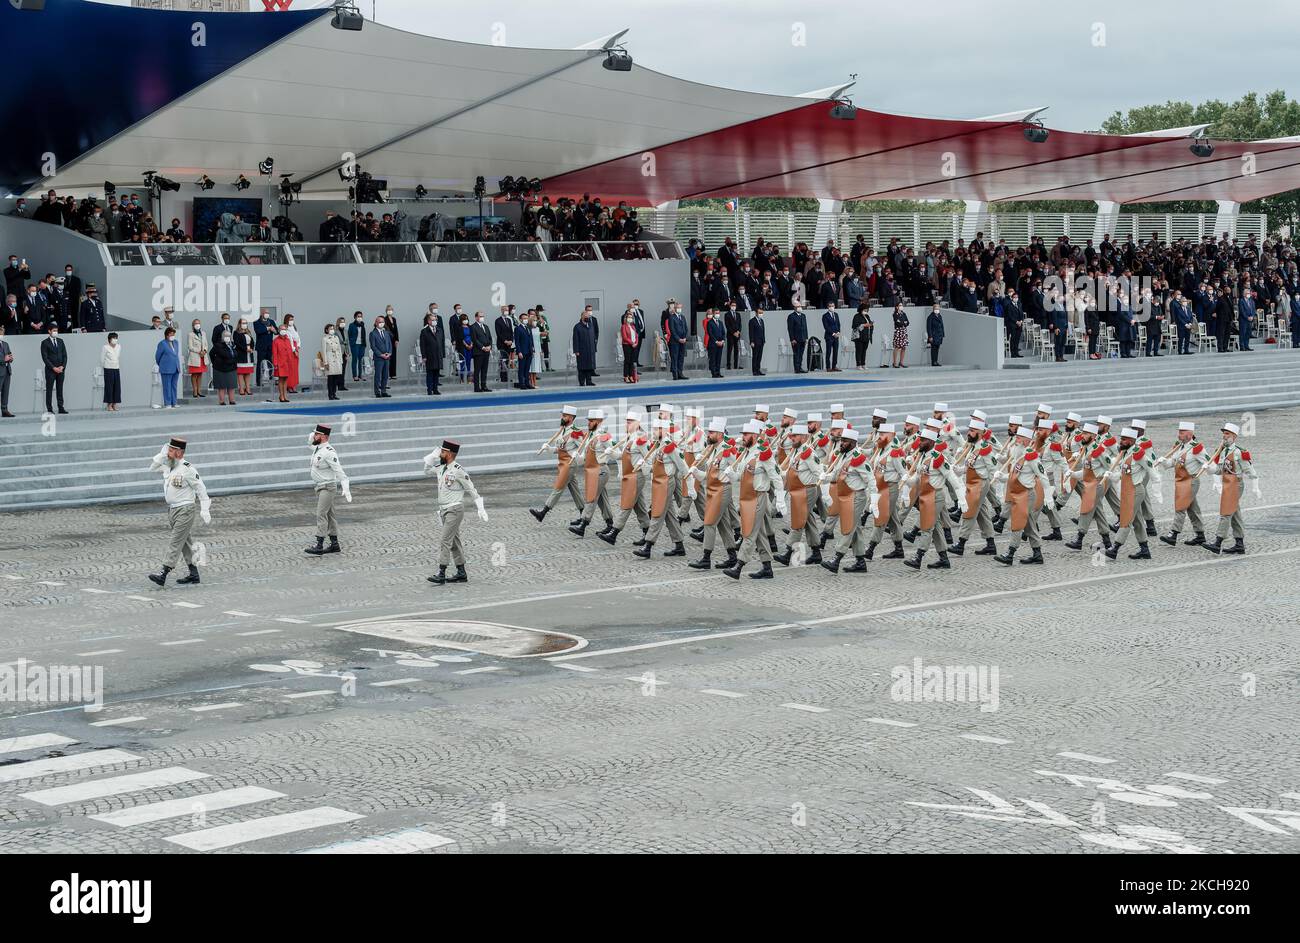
x=943, y=58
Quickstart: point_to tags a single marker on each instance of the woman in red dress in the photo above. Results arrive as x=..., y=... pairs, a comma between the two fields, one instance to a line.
x=283, y=359
x=295, y=343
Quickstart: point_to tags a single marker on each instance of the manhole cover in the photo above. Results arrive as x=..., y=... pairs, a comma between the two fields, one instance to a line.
x=486, y=638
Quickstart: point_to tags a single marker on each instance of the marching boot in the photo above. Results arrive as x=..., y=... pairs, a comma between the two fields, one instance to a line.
x=947, y=536
x=859, y=565
x=697, y=534
x=895, y=554
x=871, y=550
x=1105, y=540
x=1007, y=558
x=730, y=561
x=160, y=578
x=765, y=573
x=1238, y=546
x=1195, y=541
x=784, y=558
x=677, y=551
x=990, y=548
x=609, y=536
x=579, y=529
x=460, y=576
x=440, y=577
x=1170, y=538
x=1143, y=552
x=941, y=564
x=771, y=543
x=734, y=570
x=833, y=564
x=683, y=518
x=539, y=513
x=959, y=548
x=814, y=557
x=644, y=549
x=317, y=550
x=1075, y=544
x=912, y=534
x=575, y=522
x=641, y=540
x=998, y=525
x=915, y=562
x=1214, y=546
x=1035, y=557
x=334, y=546
x=735, y=534
x=1151, y=529
x=1112, y=551
x=192, y=579
x=954, y=511
x=703, y=563
x=1055, y=534
x=821, y=543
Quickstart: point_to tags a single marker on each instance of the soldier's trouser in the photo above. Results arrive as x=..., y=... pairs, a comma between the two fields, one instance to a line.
x=1112, y=501
x=1138, y=525
x=1233, y=519
x=180, y=520
x=725, y=528
x=1097, y=515
x=1192, y=513
x=1030, y=534
x=1052, y=514
x=601, y=500
x=450, y=549
x=640, y=508
x=933, y=536
x=570, y=485
x=810, y=533
x=983, y=517
x=756, y=538
x=856, y=539
x=894, y=526
x=327, y=524
x=698, y=501
x=1145, y=511
x=667, y=519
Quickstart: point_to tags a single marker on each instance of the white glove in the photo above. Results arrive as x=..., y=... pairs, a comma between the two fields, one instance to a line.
x=904, y=495
x=431, y=459
x=874, y=506
x=347, y=491
x=205, y=513
x=690, y=487
x=999, y=475
x=482, y=512
x=962, y=506
x=1049, y=495
x=1254, y=488
x=783, y=504
x=311, y=435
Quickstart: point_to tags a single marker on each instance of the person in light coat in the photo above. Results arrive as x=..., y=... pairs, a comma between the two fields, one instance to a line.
x=330, y=359
x=197, y=348
x=110, y=358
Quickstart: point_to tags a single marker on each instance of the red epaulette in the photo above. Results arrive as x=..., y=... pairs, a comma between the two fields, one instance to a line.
x=988, y=434
x=1056, y=446
x=668, y=449
x=1056, y=427
x=941, y=446
x=938, y=462
x=641, y=441
x=730, y=453
x=769, y=431
x=916, y=444
x=1245, y=456
x=606, y=437
x=1098, y=452
x=764, y=455
x=1198, y=448
x=986, y=450
x=1078, y=437
x=896, y=453
x=823, y=442
x=805, y=455
x=1031, y=456
x=848, y=425
x=857, y=460
x=575, y=434
x=1110, y=443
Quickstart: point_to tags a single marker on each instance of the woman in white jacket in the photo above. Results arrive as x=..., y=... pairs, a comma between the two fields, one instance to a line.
x=110, y=358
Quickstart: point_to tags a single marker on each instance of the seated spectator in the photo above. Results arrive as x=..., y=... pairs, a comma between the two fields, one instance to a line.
x=110, y=358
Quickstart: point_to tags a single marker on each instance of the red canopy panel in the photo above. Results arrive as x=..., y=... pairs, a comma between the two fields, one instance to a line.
x=806, y=153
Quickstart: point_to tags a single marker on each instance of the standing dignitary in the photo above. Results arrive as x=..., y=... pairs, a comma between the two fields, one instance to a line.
x=54, y=354
x=356, y=344
x=831, y=330
x=524, y=353
x=382, y=347
x=796, y=326
x=328, y=478
x=182, y=487
x=758, y=338
x=433, y=349
x=1233, y=466
x=716, y=339
x=590, y=464
x=934, y=333
x=678, y=334
x=480, y=339
x=633, y=479
x=504, y=328
x=1187, y=458
x=6, y=373
x=731, y=319
x=564, y=443
x=584, y=347
x=453, y=485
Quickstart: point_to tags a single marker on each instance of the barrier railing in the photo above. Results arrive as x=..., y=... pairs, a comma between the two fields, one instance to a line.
x=377, y=253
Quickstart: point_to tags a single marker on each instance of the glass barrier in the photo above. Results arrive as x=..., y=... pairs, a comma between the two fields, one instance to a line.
x=513, y=251
x=254, y=253
x=125, y=253
x=322, y=253
x=624, y=251
x=569, y=251
x=452, y=251
x=181, y=253
x=379, y=252
x=668, y=250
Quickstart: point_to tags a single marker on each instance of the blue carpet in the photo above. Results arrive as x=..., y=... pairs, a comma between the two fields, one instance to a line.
x=640, y=392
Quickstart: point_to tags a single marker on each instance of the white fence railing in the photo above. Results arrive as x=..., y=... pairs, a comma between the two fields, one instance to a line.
x=915, y=229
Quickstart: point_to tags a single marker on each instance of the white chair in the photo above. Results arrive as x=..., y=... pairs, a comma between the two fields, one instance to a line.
x=38, y=390
x=1203, y=340
x=96, y=383
x=1080, y=343
x=1112, y=343
x=1045, y=351
x=783, y=356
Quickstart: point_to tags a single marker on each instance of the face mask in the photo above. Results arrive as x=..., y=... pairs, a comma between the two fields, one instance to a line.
x=329, y=333
x=68, y=272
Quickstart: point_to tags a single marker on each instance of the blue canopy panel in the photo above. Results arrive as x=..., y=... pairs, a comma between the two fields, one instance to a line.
x=93, y=70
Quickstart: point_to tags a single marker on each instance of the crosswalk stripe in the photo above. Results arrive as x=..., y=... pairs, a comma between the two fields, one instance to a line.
x=982, y=738
x=175, y=808
x=114, y=785
x=102, y=651
x=718, y=692
x=389, y=684
x=270, y=826
x=142, y=598
x=182, y=641
x=885, y=721
x=258, y=632
x=1194, y=778
x=14, y=577
x=810, y=708
x=477, y=671
x=293, y=621
x=202, y=708
x=33, y=742
x=320, y=693
x=51, y=583
x=188, y=605
x=561, y=664
x=100, y=592
x=117, y=721
x=238, y=612
x=64, y=764
x=398, y=843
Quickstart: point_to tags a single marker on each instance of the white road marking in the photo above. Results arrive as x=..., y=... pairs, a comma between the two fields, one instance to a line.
x=14, y=577
x=885, y=721
x=101, y=592
x=981, y=738
x=115, y=786
x=395, y=681
x=1193, y=778
x=1085, y=757
x=175, y=808
x=810, y=708
x=223, y=836
x=258, y=632
x=116, y=722
x=204, y=708
x=33, y=742
x=182, y=641
x=187, y=605
x=714, y=691
x=294, y=621
x=102, y=651
x=397, y=843
x=142, y=598
x=475, y=671
x=51, y=583
x=33, y=769
x=237, y=612
x=320, y=693
x=577, y=667
x=642, y=679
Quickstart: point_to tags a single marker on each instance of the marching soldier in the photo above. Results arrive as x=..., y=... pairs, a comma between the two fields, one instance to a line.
x=1132, y=470
x=693, y=445
x=564, y=443
x=1048, y=445
x=852, y=496
x=1027, y=490
x=976, y=456
x=1146, y=511
x=930, y=477
x=837, y=412
x=756, y=478
x=327, y=478
x=1233, y=465
x=802, y=475
x=878, y=418
x=634, y=478
x=1088, y=472
x=182, y=486
x=988, y=438
x=1111, y=444
x=667, y=472
x=453, y=485
x=761, y=412
x=718, y=518
x=594, y=473
x=889, y=467
x=831, y=454
x=1187, y=458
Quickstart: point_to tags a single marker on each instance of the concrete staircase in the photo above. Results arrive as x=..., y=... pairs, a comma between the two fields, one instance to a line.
x=99, y=458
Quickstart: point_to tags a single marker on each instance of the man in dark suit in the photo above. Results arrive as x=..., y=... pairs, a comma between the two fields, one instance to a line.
x=1245, y=318
x=264, y=334
x=481, y=340
x=731, y=324
x=678, y=335
x=831, y=333
x=757, y=338
x=934, y=333
x=504, y=329
x=382, y=349
x=433, y=349
x=523, y=352
x=1013, y=319
x=33, y=310
x=6, y=373
x=796, y=325
x=717, y=336
x=54, y=354
x=1224, y=316
x=91, y=316
x=584, y=347
x=11, y=317
x=390, y=323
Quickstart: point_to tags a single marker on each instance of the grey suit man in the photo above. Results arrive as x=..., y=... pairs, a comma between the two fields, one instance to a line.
x=6, y=374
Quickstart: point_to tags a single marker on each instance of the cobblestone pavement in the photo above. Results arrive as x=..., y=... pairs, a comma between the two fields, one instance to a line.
x=1130, y=706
